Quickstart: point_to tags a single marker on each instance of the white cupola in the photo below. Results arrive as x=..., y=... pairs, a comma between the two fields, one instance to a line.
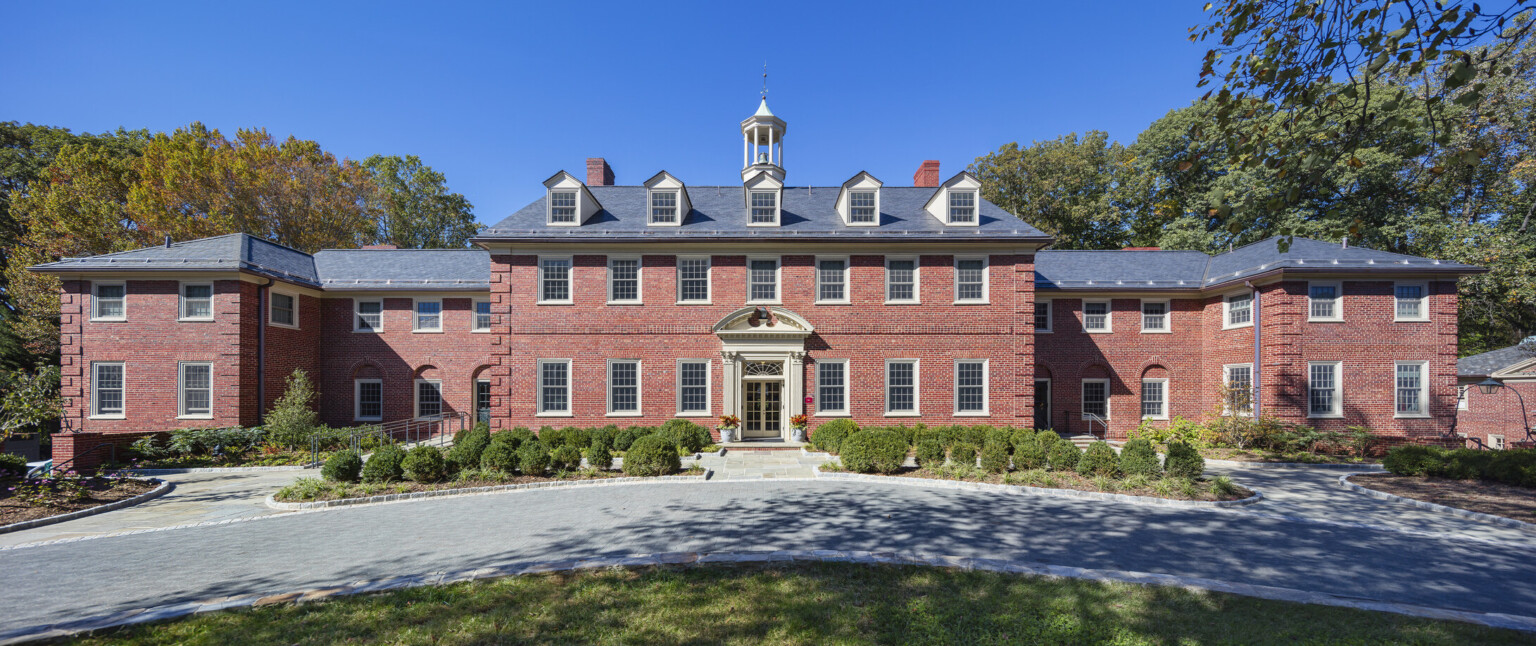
x=762, y=144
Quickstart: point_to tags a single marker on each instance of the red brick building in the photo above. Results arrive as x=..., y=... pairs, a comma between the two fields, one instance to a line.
x=1501, y=417
x=605, y=304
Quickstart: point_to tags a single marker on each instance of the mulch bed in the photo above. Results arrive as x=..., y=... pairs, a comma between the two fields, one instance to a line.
x=1071, y=480
x=99, y=491
x=1494, y=498
x=384, y=489
x=1254, y=455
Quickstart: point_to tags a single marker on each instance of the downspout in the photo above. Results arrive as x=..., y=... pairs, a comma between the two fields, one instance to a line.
x=261, y=351
x=1258, y=357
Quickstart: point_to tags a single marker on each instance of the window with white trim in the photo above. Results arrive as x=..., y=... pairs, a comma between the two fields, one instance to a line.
x=1239, y=310
x=1154, y=398
x=107, y=389
x=1154, y=316
x=368, y=395
x=962, y=207
x=1096, y=316
x=109, y=301
x=1412, y=302
x=429, y=317
x=482, y=316
x=483, y=400
x=197, y=301
x=1496, y=442
x=693, y=387
x=970, y=280
x=283, y=309
x=1323, y=302
x=861, y=207
x=623, y=387
x=195, y=394
x=1238, y=380
x=555, y=387
x=901, y=280
x=901, y=387
x=1412, y=389
x=762, y=280
x=623, y=280
x=1096, y=398
x=429, y=397
x=1042, y=316
x=832, y=386
x=562, y=207
x=693, y=280
x=554, y=280
x=971, y=387
x=1323, y=389
x=1462, y=393
x=832, y=280
x=765, y=208
x=368, y=316
x=663, y=207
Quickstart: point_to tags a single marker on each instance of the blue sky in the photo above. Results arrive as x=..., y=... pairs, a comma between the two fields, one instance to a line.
x=499, y=96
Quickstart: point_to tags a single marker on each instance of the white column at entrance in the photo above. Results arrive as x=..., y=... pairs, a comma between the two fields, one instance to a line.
x=794, y=383
x=730, y=378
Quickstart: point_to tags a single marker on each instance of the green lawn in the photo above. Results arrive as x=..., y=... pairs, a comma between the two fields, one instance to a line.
x=810, y=603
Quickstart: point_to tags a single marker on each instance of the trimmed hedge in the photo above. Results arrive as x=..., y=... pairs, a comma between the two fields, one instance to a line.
x=1028, y=454
x=994, y=457
x=13, y=464
x=829, y=436
x=599, y=457
x=469, y=444
x=687, y=436
x=500, y=456
x=1099, y=460
x=652, y=455
x=1183, y=461
x=565, y=458
x=1048, y=439
x=627, y=437
x=533, y=458
x=1000, y=436
x=342, y=466
x=1511, y=466
x=873, y=451
x=425, y=464
x=1138, y=457
x=963, y=453
x=1064, y=456
x=384, y=465
x=930, y=452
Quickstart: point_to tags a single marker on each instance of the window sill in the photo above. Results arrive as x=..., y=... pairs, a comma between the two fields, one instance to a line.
x=196, y=320
x=695, y=414
x=1154, y=418
x=1157, y=331
x=629, y=414
x=1239, y=326
x=555, y=303
x=764, y=303
x=1099, y=331
x=113, y=320
x=972, y=303
x=286, y=327
x=485, y=331
x=904, y=414
x=832, y=413
x=1398, y=320
x=623, y=303
x=903, y=303
x=834, y=303
x=1325, y=320
x=1325, y=416
x=366, y=331
x=693, y=303
x=208, y=416
x=119, y=416
x=554, y=414
x=1411, y=416
x=973, y=414
x=426, y=331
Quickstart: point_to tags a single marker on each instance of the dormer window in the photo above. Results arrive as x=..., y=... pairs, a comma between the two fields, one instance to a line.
x=765, y=207
x=859, y=201
x=664, y=207
x=956, y=202
x=562, y=207
x=668, y=200
x=568, y=202
x=962, y=207
x=861, y=207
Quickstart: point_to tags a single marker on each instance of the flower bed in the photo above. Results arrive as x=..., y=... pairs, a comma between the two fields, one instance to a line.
x=1508, y=501
x=24, y=500
x=1171, y=488
x=316, y=489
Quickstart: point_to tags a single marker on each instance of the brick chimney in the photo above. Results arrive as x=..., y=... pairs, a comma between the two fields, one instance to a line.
x=380, y=246
x=598, y=172
x=927, y=175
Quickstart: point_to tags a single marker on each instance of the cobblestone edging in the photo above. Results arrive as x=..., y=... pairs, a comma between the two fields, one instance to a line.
x=815, y=454
x=161, y=490
x=1429, y=506
x=1038, y=491
x=480, y=491
x=172, y=472
x=678, y=559
x=1240, y=464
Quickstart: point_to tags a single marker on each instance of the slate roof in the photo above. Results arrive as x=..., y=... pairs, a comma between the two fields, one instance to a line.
x=1175, y=270
x=364, y=269
x=1487, y=363
x=720, y=213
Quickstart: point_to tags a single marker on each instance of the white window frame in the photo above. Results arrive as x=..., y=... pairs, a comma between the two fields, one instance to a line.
x=677, y=207
x=1226, y=310
x=570, y=281
x=1082, y=397
x=847, y=262
x=1226, y=380
x=949, y=206
x=416, y=316
x=181, y=390
x=1423, y=301
x=1463, y=394
x=708, y=388
x=271, y=310
x=1423, y=390
x=538, y=389
x=608, y=388
x=1338, y=301
x=181, y=301
x=1496, y=441
x=875, y=221
x=832, y=412
x=357, y=315
x=1050, y=315
x=986, y=281
x=1109, y=316
x=96, y=300
x=122, y=400
x=917, y=280
x=1141, y=403
x=1167, y=327
x=549, y=211
x=1337, y=411
x=917, y=389
x=474, y=316
x=986, y=388
x=777, y=207
x=709, y=275
x=357, y=400
x=416, y=396
x=778, y=280
x=639, y=280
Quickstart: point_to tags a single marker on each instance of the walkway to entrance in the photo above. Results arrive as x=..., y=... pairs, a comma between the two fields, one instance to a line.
x=756, y=465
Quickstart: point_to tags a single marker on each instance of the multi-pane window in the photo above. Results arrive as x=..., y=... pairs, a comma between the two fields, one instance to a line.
x=971, y=386
x=664, y=207
x=832, y=386
x=901, y=386
x=106, y=389
x=1096, y=398
x=555, y=280
x=108, y=301
x=624, y=280
x=1410, y=388
x=1410, y=302
x=693, y=387
x=832, y=280
x=196, y=390
x=429, y=316
x=1239, y=309
x=429, y=397
x=900, y=280
x=962, y=207
x=1154, y=398
x=482, y=316
x=1042, y=316
x=370, y=399
x=370, y=316
x=624, y=386
x=482, y=400
x=562, y=206
x=284, y=309
x=693, y=279
x=1323, y=389
x=764, y=207
x=970, y=279
x=197, y=301
x=1239, y=384
x=1154, y=316
x=1323, y=301
x=861, y=207
x=554, y=386
x=763, y=280
x=1096, y=316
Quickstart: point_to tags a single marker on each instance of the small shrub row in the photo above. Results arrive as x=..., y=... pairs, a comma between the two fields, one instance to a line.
x=1512, y=467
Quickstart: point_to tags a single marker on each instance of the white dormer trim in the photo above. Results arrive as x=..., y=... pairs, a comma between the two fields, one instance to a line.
x=861, y=183
x=565, y=183
x=662, y=183
x=938, y=204
x=764, y=183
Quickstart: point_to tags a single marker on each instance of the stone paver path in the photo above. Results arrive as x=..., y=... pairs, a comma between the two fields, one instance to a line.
x=757, y=465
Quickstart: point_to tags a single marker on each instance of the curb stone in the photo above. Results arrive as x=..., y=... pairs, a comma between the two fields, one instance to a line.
x=164, y=488
x=1041, y=491
x=1239, y=464
x=1429, y=506
x=694, y=559
x=172, y=472
x=272, y=502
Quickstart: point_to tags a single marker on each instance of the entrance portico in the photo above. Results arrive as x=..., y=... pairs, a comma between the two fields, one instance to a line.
x=763, y=354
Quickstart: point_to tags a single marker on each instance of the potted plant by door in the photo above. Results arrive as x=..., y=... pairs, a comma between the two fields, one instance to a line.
x=797, y=427
x=728, y=426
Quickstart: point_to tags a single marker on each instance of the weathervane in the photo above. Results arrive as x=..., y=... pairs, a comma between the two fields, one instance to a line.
x=765, y=80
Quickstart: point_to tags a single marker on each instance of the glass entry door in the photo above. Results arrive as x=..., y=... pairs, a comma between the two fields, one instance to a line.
x=761, y=409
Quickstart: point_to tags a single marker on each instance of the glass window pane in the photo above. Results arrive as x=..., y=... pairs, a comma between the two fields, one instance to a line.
x=482, y=315
x=693, y=381
x=1152, y=399
x=830, y=385
x=969, y=385
x=901, y=279
x=693, y=279
x=109, y=388
x=1409, y=385
x=664, y=207
x=429, y=399
x=624, y=275
x=900, y=391
x=1096, y=398
x=962, y=206
x=764, y=277
x=1096, y=316
x=1042, y=316
x=429, y=315
x=553, y=384
x=831, y=274
x=624, y=386
x=562, y=206
x=861, y=207
x=369, y=314
x=763, y=211
x=370, y=399
x=970, y=277
x=557, y=274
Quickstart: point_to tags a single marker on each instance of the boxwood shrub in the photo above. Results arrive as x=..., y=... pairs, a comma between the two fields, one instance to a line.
x=999, y=436
x=930, y=453
x=1183, y=461
x=500, y=456
x=1099, y=460
x=1027, y=454
x=564, y=458
x=1063, y=456
x=1511, y=466
x=384, y=464
x=425, y=464
x=469, y=444
x=598, y=456
x=687, y=436
x=533, y=458
x=652, y=455
x=963, y=453
x=1138, y=457
x=994, y=457
x=873, y=451
x=626, y=437
x=342, y=466
x=1048, y=439
x=829, y=436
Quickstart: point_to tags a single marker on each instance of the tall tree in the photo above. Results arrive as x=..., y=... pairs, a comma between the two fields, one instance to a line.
x=1064, y=186
x=416, y=209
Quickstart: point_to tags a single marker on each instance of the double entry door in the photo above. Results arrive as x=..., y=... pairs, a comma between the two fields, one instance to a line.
x=762, y=408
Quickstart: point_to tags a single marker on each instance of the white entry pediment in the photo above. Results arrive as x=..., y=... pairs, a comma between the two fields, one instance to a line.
x=764, y=320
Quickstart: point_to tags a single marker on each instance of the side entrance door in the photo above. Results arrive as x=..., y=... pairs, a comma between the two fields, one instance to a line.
x=1042, y=403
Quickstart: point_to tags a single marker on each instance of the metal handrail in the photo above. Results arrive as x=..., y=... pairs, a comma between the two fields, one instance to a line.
x=1094, y=417
x=50, y=467
x=438, y=429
